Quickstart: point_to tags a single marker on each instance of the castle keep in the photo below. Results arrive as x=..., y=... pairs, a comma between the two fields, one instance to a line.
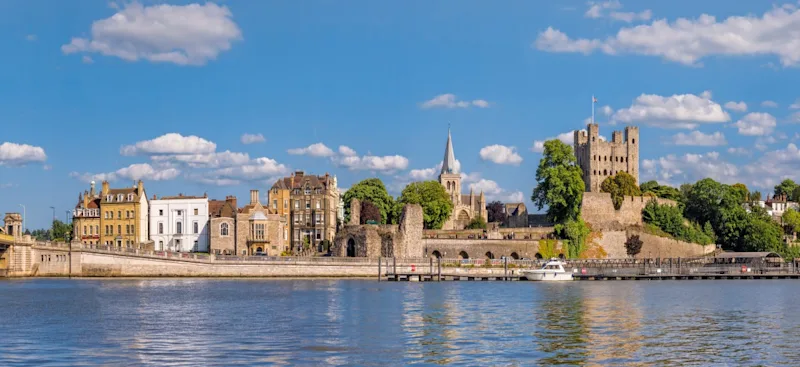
x=599, y=159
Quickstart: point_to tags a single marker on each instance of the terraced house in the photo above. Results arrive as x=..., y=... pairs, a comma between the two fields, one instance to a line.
x=86, y=217
x=313, y=204
x=123, y=215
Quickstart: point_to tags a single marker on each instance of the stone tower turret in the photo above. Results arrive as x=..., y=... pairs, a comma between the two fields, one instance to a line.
x=599, y=159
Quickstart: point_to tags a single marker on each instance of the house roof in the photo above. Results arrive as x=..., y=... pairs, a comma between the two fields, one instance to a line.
x=300, y=180
x=221, y=208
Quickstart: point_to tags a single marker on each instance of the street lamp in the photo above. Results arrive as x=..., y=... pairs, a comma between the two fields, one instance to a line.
x=53, y=230
x=23, y=218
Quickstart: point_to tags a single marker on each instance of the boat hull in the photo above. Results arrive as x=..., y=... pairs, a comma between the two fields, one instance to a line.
x=541, y=276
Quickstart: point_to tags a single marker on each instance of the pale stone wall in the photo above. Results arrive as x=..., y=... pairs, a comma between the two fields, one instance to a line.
x=408, y=243
x=597, y=209
x=477, y=249
x=613, y=242
x=355, y=212
x=219, y=243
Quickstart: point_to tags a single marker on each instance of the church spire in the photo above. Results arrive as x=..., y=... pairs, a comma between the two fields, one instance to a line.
x=449, y=162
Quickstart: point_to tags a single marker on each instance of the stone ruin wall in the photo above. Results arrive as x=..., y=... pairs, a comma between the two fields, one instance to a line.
x=597, y=209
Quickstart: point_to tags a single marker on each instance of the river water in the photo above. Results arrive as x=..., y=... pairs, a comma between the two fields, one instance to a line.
x=235, y=322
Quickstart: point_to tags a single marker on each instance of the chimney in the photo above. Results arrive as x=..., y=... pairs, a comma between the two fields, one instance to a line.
x=253, y=197
x=91, y=191
x=154, y=197
x=105, y=188
x=230, y=199
x=298, y=174
x=140, y=187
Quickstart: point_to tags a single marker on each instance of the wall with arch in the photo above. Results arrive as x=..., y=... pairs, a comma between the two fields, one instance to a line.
x=480, y=249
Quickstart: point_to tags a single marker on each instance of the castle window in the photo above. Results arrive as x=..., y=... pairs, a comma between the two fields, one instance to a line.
x=594, y=157
x=223, y=229
x=633, y=141
x=605, y=173
x=594, y=172
x=130, y=197
x=593, y=138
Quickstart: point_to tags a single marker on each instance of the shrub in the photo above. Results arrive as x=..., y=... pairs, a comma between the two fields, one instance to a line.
x=633, y=245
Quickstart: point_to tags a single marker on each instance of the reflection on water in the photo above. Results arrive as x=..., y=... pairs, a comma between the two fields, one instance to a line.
x=210, y=322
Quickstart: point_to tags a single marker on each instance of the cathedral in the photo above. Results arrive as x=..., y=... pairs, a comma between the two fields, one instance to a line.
x=465, y=207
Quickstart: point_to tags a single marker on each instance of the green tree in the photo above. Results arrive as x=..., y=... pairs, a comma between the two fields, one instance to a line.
x=372, y=190
x=649, y=186
x=791, y=219
x=559, y=183
x=755, y=196
x=574, y=232
x=786, y=187
x=795, y=194
x=370, y=213
x=496, y=211
x=477, y=223
x=619, y=186
x=633, y=245
x=60, y=230
x=762, y=234
x=436, y=204
x=741, y=192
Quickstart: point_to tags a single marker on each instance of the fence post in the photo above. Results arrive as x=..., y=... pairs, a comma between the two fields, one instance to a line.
x=379, y=268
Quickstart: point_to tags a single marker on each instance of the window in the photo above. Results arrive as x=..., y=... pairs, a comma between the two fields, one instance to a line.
x=119, y=229
x=196, y=227
x=161, y=245
x=180, y=212
x=120, y=197
x=258, y=231
x=97, y=229
x=178, y=227
x=223, y=229
x=285, y=204
x=308, y=191
x=298, y=218
x=319, y=236
x=633, y=141
x=318, y=218
x=160, y=228
x=109, y=198
x=119, y=214
x=160, y=212
x=297, y=204
x=317, y=204
x=195, y=246
x=274, y=204
x=285, y=234
x=84, y=230
x=308, y=204
x=110, y=215
x=127, y=229
x=130, y=197
x=178, y=244
x=195, y=212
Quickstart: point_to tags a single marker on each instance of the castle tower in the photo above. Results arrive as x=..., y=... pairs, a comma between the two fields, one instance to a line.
x=449, y=177
x=599, y=159
x=13, y=225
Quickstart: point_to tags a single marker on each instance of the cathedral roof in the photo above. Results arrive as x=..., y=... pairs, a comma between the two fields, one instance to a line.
x=449, y=161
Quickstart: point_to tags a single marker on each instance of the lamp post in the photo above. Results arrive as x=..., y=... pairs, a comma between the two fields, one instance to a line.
x=23, y=218
x=53, y=226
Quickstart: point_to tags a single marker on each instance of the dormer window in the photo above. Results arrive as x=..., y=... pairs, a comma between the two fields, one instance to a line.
x=120, y=197
x=130, y=197
x=109, y=198
x=308, y=190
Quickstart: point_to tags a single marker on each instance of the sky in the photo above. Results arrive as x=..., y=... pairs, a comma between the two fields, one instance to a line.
x=223, y=97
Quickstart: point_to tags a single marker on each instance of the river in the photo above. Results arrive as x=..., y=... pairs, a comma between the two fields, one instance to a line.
x=242, y=322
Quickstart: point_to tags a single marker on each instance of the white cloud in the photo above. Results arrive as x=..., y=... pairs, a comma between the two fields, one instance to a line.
x=314, y=150
x=385, y=164
x=795, y=105
x=209, y=160
x=696, y=138
x=596, y=8
x=259, y=168
x=678, y=169
x=682, y=111
x=138, y=171
x=182, y=34
x=31, y=37
x=426, y=174
x=629, y=17
x=795, y=117
x=566, y=138
x=346, y=151
x=756, y=124
x=12, y=154
x=501, y=154
x=493, y=191
x=687, y=41
x=736, y=106
x=252, y=138
x=449, y=100
x=771, y=104
x=217, y=181
x=172, y=143
x=738, y=151
x=606, y=110
x=87, y=59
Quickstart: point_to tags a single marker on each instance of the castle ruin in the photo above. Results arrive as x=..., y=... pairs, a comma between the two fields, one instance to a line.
x=599, y=159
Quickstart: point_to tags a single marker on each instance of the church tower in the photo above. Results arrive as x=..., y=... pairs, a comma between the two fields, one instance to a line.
x=450, y=178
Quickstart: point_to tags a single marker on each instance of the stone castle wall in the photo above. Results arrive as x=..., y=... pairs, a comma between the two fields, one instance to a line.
x=613, y=242
x=597, y=209
x=478, y=249
x=599, y=159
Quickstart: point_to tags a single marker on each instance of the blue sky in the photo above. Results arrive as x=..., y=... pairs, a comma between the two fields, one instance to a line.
x=165, y=91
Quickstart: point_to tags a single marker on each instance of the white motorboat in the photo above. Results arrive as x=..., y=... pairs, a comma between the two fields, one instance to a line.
x=553, y=270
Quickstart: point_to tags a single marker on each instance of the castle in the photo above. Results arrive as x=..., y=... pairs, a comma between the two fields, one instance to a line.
x=465, y=207
x=599, y=159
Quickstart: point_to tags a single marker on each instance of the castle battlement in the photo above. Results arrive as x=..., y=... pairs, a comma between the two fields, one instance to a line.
x=599, y=158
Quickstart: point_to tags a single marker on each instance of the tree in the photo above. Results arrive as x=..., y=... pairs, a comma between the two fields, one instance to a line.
x=633, y=245
x=497, y=212
x=741, y=192
x=559, y=183
x=60, y=230
x=791, y=219
x=575, y=232
x=649, y=186
x=795, y=194
x=786, y=187
x=620, y=185
x=477, y=223
x=436, y=204
x=755, y=196
x=370, y=213
x=372, y=190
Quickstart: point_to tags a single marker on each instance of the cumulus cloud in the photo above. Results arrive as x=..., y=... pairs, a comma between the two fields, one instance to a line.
x=252, y=138
x=687, y=41
x=449, y=100
x=756, y=124
x=566, y=138
x=795, y=105
x=426, y=174
x=181, y=34
x=493, y=191
x=138, y=171
x=629, y=17
x=172, y=143
x=770, y=104
x=314, y=150
x=606, y=110
x=346, y=151
x=209, y=160
x=678, y=169
x=736, y=106
x=696, y=138
x=385, y=164
x=13, y=154
x=501, y=154
x=259, y=168
x=738, y=151
x=680, y=111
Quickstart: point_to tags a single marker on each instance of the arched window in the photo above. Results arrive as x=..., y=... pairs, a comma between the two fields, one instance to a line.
x=594, y=157
x=594, y=172
x=178, y=227
x=605, y=173
x=633, y=141
x=223, y=229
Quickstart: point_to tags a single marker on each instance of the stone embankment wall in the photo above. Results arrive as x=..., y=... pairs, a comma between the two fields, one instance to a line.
x=597, y=209
x=478, y=249
x=613, y=242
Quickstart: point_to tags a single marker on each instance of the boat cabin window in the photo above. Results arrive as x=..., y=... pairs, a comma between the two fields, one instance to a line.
x=555, y=267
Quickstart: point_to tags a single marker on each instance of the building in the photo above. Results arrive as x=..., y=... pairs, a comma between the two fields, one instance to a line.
x=279, y=198
x=123, y=215
x=516, y=215
x=777, y=205
x=599, y=159
x=86, y=217
x=251, y=230
x=313, y=207
x=179, y=223
x=222, y=226
x=465, y=207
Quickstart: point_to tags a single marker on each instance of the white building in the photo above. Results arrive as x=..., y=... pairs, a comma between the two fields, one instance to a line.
x=179, y=223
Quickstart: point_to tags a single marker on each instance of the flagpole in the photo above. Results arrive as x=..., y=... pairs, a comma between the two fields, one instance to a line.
x=593, y=108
